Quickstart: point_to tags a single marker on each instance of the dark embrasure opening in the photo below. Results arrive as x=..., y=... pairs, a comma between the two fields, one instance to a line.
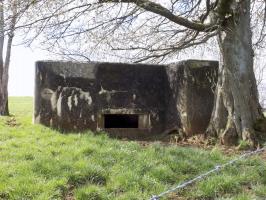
x=121, y=121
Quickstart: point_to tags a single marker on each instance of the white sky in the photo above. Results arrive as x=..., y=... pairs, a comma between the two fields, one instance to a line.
x=21, y=74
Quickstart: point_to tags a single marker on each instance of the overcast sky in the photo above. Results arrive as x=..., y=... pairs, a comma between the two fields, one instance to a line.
x=21, y=78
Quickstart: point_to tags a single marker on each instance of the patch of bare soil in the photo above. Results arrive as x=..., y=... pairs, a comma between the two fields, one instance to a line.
x=198, y=141
x=263, y=155
x=69, y=195
x=12, y=122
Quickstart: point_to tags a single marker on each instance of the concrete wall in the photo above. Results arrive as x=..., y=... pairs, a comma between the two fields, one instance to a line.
x=76, y=96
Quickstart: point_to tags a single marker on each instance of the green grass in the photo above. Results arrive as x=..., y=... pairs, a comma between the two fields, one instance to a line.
x=39, y=163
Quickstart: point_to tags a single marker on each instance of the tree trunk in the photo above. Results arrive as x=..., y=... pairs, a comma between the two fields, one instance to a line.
x=3, y=83
x=4, y=66
x=4, y=89
x=4, y=79
x=3, y=98
x=236, y=104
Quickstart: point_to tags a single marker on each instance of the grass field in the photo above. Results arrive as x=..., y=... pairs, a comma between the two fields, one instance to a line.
x=39, y=163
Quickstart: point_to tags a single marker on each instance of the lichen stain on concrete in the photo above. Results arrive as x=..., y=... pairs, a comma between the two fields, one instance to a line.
x=93, y=118
x=75, y=100
x=102, y=91
x=46, y=93
x=59, y=106
x=86, y=96
x=69, y=102
x=53, y=102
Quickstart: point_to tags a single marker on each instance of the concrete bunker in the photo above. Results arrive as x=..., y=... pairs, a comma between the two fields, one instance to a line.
x=137, y=101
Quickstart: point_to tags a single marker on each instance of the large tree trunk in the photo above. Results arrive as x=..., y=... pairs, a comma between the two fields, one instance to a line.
x=4, y=66
x=3, y=78
x=236, y=106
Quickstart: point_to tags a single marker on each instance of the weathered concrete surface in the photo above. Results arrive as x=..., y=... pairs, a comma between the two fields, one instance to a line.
x=78, y=96
x=192, y=84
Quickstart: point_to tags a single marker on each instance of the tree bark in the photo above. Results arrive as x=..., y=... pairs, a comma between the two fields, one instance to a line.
x=4, y=110
x=3, y=84
x=4, y=66
x=237, y=106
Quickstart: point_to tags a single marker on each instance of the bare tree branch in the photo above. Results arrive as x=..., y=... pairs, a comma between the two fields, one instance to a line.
x=162, y=11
